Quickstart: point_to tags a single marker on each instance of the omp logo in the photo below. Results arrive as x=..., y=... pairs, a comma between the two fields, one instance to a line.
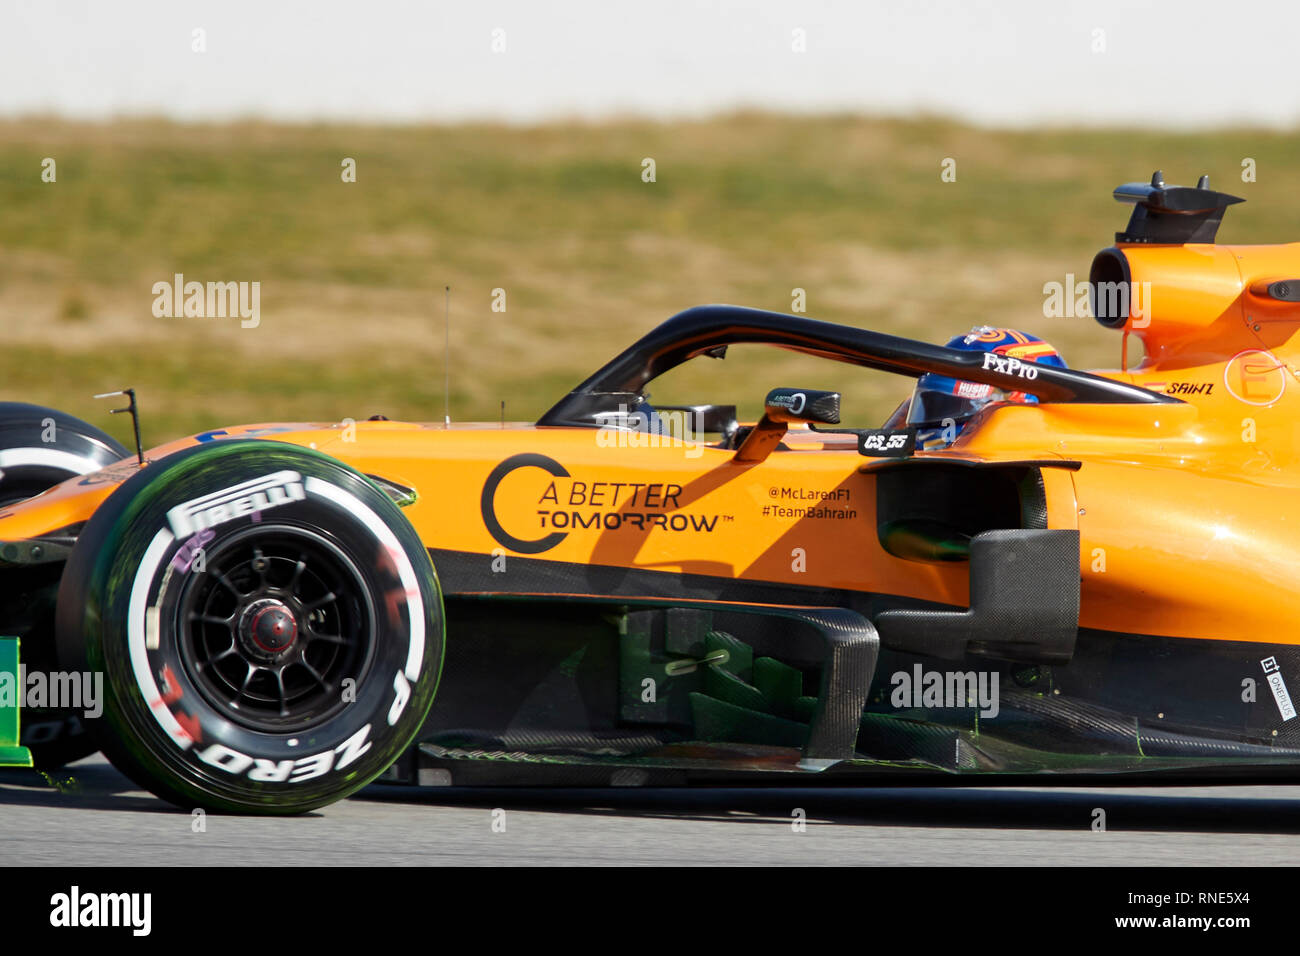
x=257, y=494
x=1273, y=673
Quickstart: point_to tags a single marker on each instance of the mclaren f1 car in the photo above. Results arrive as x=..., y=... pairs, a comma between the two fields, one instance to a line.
x=1027, y=571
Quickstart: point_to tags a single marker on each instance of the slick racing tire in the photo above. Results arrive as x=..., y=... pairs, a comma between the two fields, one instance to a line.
x=269, y=627
x=39, y=448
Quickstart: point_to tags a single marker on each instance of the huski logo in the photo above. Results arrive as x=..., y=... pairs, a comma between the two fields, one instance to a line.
x=259, y=494
x=1274, y=675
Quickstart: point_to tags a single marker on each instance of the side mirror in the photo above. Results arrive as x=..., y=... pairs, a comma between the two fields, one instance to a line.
x=806, y=405
x=781, y=408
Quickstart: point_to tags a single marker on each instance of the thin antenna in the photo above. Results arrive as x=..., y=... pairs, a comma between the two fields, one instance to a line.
x=503, y=413
x=446, y=365
x=135, y=417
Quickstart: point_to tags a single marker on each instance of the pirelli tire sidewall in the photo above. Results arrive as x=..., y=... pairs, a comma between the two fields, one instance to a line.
x=160, y=725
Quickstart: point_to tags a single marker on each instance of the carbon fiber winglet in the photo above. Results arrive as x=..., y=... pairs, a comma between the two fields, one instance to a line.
x=1024, y=587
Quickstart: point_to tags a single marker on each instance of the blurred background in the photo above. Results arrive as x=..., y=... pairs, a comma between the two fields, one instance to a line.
x=917, y=168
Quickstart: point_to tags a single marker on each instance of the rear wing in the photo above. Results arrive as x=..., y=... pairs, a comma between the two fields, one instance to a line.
x=1172, y=214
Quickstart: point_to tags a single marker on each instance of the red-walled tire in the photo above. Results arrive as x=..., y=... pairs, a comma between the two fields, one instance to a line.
x=269, y=627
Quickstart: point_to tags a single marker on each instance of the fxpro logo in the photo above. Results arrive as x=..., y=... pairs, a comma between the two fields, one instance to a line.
x=245, y=498
x=1008, y=365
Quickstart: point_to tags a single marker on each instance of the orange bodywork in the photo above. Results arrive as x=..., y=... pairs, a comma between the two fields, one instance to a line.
x=1188, y=513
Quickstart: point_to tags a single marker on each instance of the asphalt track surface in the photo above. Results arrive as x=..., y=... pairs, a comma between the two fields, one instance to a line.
x=106, y=820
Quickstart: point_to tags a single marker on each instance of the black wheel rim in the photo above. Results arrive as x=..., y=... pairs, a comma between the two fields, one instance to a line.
x=273, y=625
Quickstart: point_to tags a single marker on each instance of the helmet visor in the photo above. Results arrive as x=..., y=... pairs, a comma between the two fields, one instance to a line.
x=931, y=406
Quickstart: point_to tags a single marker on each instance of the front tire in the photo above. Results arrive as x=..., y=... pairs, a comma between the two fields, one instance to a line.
x=269, y=627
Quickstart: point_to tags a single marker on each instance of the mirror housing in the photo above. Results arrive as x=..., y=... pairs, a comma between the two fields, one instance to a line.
x=806, y=405
x=781, y=408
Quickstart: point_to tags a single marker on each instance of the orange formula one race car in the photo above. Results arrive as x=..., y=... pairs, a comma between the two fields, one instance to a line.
x=1028, y=571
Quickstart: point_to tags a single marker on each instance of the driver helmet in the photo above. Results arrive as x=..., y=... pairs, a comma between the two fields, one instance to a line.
x=941, y=406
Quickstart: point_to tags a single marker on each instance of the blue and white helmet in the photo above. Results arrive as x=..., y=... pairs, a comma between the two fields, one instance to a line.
x=941, y=406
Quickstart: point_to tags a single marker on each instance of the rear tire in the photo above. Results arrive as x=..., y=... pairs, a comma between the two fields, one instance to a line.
x=269, y=627
x=39, y=448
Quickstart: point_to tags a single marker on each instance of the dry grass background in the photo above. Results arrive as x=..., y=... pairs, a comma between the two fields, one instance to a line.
x=745, y=208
